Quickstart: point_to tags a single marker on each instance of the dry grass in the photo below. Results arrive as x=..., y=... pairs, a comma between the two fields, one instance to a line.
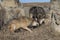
x=40, y=33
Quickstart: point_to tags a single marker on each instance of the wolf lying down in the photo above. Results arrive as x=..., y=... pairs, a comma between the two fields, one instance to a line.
x=22, y=22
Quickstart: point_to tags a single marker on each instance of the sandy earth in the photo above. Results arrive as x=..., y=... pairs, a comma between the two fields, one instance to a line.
x=40, y=33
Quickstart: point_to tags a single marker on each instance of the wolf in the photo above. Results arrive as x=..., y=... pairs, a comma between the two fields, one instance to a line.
x=12, y=13
x=22, y=22
x=54, y=25
x=38, y=14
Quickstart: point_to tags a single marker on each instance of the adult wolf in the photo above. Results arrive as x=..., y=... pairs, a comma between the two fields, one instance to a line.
x=22, y=22
x=37, y=13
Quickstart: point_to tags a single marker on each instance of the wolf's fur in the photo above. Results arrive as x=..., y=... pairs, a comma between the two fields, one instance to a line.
x=13, y=13
x=55, y=27
x=48, y=17
x=22, y=22
x=37, y=13
x=2, y=13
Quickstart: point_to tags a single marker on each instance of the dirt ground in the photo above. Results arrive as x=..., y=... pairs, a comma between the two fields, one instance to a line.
x=40, y=33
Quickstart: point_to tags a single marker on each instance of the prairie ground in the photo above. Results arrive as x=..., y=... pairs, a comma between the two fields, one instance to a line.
x=40, y=33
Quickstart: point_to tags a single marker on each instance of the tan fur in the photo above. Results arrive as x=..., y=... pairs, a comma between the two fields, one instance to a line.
x=13, y=13
x=48, y=17
x=20, y=11
x=23, y=22
x=54, y=27
x=9, y=3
